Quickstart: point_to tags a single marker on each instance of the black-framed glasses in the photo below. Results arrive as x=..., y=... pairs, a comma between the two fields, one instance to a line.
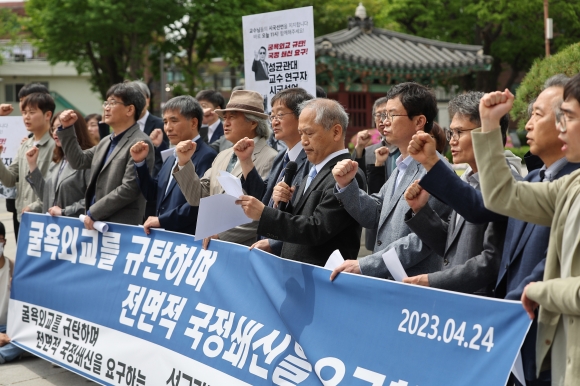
x=455, y=134
x=112, y=103
x=279, y=117
x=262, y=52
x=388, y=117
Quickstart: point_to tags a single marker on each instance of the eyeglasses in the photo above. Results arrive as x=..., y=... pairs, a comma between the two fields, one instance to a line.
x=262, y=52
x=279, y=117
x=388, y=116
x=562, y=120
x=455, y=134
x=112, y=103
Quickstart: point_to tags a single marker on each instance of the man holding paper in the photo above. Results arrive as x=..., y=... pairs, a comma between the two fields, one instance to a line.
x=315, y=223
x=243, y=117
x=182, y=118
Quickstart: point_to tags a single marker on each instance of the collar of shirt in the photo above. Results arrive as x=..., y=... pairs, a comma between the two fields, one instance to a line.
x=328, y=158
x=142, y=120
x=211, y=128
x=43, y=141
x=295, y=151
x=550, y=173
x=403, y=163
x=116, y=138
x=471, y=178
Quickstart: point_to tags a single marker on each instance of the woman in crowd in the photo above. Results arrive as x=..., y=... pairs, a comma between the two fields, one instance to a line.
x=63, y=190
x=93, y=126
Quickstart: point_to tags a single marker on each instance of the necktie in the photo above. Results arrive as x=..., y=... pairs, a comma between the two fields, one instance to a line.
x=265, y=67
x=311, y=176
x=232, y=163
x=280, y=176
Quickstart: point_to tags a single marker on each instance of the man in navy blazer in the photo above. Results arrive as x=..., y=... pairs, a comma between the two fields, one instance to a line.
x=525, y=247
x=212, y=128
x=284, y=118
x=182, y=117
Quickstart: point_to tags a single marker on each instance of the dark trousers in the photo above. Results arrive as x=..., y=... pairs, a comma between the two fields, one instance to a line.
x=11, y=207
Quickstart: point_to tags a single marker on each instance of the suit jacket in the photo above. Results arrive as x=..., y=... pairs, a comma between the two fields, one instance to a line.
x=255, y=186
x=172, y=209
x=315, y=223
x=113, y=182
x=151, y=124
x=259, y=72
x=218, y=132
x=194, y=188
x=386, y=212
x=367, y=163
x=546, y=204
x=66, y=191
x=471, y=252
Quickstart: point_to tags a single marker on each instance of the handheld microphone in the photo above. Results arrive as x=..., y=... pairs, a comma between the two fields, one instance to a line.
x=289, y=174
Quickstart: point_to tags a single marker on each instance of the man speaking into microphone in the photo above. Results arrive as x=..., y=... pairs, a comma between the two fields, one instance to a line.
x=314, y=223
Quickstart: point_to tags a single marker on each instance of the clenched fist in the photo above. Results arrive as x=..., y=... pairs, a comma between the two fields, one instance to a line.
x=184, y=151
x=156, y=137
x=139, y=151
x=344, y=172
x=68, y=118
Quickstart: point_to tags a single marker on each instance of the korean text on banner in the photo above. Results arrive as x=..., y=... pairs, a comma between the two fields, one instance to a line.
x=125, y=308
x=279, y=52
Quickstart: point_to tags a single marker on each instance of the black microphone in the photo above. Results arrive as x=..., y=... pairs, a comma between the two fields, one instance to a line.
x=288, y=177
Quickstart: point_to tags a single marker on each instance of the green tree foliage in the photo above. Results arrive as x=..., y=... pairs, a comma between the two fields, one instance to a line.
x=9, y=27
x=567, y=61
x=510, y=31
x=207, y=29
x=107, y=38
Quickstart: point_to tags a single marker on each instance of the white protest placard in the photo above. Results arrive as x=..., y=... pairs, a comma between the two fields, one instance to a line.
x=279, y=52
x=12, y=131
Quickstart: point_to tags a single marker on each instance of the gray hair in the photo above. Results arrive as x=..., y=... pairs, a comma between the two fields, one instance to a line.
x=466, y=105
x=328, y=113
x=262, y=130
x=558, y=80
x=378, y=102
x=187, y=106
x=143, y=87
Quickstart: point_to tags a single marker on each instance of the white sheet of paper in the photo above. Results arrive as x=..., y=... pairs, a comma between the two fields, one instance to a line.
x=334, y=260
x=518, y=369
x=230, y=215
x=98, y=225
x=231, y=184
x=166, y=153
x=394, y=265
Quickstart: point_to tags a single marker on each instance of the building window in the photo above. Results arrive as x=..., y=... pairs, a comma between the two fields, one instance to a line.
x=12, y=90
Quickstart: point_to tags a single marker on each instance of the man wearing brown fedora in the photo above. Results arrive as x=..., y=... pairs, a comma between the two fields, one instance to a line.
x=243, y=117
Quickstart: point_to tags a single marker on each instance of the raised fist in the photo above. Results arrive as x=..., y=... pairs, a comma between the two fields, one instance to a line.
x=139, y=151
x=156, y=137
x=344, y=172
x=68, y=118
x=184, y=151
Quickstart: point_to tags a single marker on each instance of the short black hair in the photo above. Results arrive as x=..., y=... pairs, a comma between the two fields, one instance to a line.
x=2, y=230
x=41, y=101
x=417, y=100
x=130, y=95
x=572, y=88
x=320, y=93
x=32, y=88
x=187, y=106
x=291, y=98
x=213, y=97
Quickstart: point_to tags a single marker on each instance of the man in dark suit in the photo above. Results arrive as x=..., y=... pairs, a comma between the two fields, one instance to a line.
x=524, y=252
x=315, y=223
x=212, y=128
x=260, y=66
x=284, y=118
x=182, y=117
x=113, y=192
x=471, y=252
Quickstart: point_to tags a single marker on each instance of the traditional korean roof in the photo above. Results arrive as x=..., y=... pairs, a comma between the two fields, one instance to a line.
x=384, y=55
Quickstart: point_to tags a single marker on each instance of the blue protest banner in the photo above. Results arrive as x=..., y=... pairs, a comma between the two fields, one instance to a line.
x=124, y=308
